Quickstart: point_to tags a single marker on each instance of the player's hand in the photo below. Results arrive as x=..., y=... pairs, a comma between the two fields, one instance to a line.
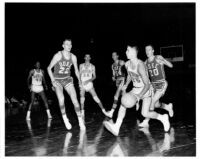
x=53, y=88
x=53, y=83
x=86, y=82
x=138, y=97
x=113, y=78
x=137, y=106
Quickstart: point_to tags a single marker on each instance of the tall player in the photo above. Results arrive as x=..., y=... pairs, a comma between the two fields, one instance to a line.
x=36, y=87
x=119, y=78
x=61, y=79
x=137, y=73
x=87, y=76
x=155, y=67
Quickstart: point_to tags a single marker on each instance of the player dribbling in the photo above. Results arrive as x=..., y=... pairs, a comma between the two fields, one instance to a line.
x=138, y=75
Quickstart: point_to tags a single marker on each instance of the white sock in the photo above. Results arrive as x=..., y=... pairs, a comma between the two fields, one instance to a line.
x=28, y=114
x=48, y=112
x=160, y=117
x=66, y=120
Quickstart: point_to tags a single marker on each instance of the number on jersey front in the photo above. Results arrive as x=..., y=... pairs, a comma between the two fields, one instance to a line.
x=153, y=70
x=64, y=67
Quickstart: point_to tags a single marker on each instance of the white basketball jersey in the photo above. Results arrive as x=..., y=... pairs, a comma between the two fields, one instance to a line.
x=133, y=72
x=37, y=78
x=86, y=72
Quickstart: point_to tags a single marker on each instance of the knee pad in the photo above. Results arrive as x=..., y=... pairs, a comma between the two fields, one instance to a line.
x=96, y=99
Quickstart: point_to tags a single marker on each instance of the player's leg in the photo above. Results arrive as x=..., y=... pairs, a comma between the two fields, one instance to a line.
x=96, y=99
x=61, y=100
x=72, y=93
x=147, y=113
x=115, y=127
x=116, y=97
x=30, y=105
x=158, y=94
x=82, y=100
x=43, y=96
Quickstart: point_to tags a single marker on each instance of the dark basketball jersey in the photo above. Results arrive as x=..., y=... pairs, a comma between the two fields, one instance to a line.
x=62, y=67
x=118, y=71
x=155, y=70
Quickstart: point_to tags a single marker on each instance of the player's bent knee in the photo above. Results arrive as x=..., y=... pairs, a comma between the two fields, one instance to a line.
x=96, y=99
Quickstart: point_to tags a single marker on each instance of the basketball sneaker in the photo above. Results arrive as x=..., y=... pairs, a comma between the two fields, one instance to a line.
x=169, y=108
x=67, y=123
x=111, y=127
x=109, y=113
x=28, y=115
x=165, y=121
x=144, y=123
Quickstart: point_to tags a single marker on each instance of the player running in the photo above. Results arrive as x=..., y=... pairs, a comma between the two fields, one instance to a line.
x=138, y=75
x=155, y=67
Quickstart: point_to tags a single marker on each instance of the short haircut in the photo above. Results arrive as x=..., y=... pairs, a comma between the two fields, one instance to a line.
x=150, y=45
x=114, y=52
x=67, y=40
x=134, y=47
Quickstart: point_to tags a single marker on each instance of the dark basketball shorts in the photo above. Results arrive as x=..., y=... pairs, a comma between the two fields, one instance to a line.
x=64, y=82
x=120, y=81
x=160, y=87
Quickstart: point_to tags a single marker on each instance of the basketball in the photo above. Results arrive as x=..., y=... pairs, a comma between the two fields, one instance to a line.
x=128, y=100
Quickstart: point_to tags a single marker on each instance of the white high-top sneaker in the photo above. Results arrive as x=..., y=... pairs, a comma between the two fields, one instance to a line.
x=144, y=123
x=169, y=108
x=165, y=121
x=28, y=115
x=67, y=123
x=113, y=128
x=109, y=113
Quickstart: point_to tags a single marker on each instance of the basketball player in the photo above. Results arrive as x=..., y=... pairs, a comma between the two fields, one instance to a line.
x=155, y=67
x=119, y=78
x=36, y=87
x=61, y=79
x=137, y=73
x=88, y=75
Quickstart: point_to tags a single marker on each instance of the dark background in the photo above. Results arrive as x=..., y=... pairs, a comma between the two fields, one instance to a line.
x=35, y=31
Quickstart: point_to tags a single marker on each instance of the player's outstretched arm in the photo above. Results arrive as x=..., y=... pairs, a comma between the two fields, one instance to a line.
x=143, y=73
x=74, y=61
x=165, y=62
